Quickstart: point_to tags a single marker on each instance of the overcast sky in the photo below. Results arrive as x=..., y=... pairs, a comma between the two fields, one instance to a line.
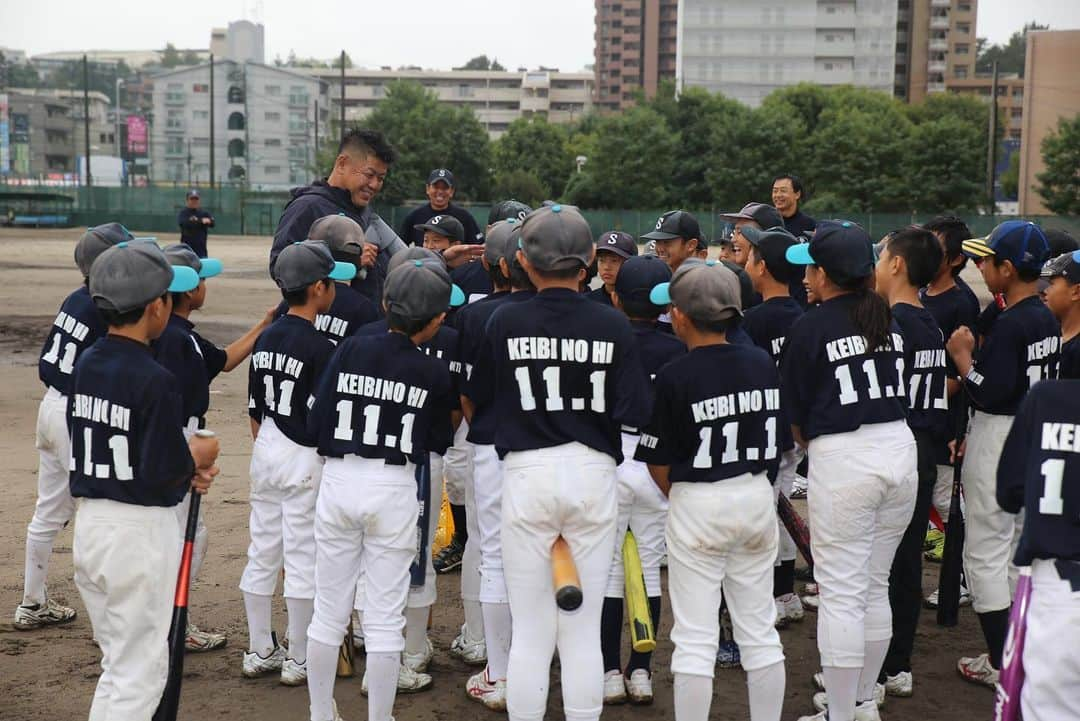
x=430, y=33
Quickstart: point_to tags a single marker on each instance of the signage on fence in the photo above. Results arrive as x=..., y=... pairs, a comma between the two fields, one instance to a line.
x=136, y=135
x=5, y=148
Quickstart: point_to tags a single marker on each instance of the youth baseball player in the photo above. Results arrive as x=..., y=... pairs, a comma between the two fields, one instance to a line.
x=1063, y=300
x=285, y=369
x=564, y=375
x=712, y=446
x=612, y=250
x=842, y=379
x=379, y=412
x=76, y=327
x=130, y=466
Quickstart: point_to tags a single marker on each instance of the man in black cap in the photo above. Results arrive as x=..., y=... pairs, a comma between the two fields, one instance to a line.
x=194, y=223
x=612, y=249
x=440, y=193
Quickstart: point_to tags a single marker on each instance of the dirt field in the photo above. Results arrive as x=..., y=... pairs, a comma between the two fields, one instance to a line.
x=51, y=674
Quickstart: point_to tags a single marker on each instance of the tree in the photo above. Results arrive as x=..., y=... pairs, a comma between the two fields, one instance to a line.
x=1010, y=56
x=481, y=62
x=538, y=148
x=17, y=75
x=337, y=61
x=521, y=185
x=1059, y=183
x=1010, y=179
x=190, y=58
x=170, y=56
x=946, y=169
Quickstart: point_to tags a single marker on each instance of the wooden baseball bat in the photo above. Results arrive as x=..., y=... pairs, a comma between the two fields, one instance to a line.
x=565, y=576
x=642, y=634
x=952, y=562
x=1011, y=680
x=796, y=526
x=346, y=667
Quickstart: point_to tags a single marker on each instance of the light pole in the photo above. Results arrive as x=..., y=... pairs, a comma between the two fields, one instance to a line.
x=119, y=82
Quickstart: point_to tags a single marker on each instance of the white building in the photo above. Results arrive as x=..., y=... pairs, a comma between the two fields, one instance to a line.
x=264, y=125
x=745, y=50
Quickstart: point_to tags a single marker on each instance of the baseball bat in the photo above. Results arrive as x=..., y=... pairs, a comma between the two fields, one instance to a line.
x=565, y=576
x=642, y=634
x=1011, y=680
x=796, y=526
x=345, y=662
x=952, y=562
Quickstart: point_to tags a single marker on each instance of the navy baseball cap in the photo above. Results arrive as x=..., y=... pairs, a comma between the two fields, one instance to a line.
x=193, y=193
x=839, y=247
x=772, y=245
x=508, y=209
x=440, y=174
x=639, y=275
x=182, y=254
x=445, y=225
x=1066, y=265
x=306, y=262
x=1019, y=241
x=617, y=242
x=766, y=216
x=676, y=224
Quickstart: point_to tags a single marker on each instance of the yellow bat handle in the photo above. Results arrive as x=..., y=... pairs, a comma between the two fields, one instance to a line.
x=642, y=634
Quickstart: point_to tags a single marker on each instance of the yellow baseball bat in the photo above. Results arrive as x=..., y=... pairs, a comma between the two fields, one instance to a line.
x=642, y=634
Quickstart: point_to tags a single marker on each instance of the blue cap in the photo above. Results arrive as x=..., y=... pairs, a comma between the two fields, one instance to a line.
x=639, y=275
x=1019, y=241
x=839, y=247
x=184, y=279
x=457, y=296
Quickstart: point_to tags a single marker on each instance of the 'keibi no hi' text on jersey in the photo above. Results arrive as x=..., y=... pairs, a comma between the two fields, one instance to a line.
x=1039, y=470
x=348, y=312
x=721, y=425
x=286, y=364
x=76, y=327
x=924, y=369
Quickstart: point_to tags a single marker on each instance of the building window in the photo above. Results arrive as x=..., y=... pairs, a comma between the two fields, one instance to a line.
x=272, y=117
x=273, y=90
x=236, y=94
x=963, y=28
x=236, y=148
x=236, y=121
x=272, y=170
x=272, y=142
x=200, y=115
x=464, y=91
x=200, y=88
x=963, y=8
x=200, y=142
x=236, y=172
x=962, y=48
x=174, y=146
x=961, y=71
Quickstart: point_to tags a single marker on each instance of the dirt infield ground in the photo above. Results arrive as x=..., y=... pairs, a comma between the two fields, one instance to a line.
x=51, y=674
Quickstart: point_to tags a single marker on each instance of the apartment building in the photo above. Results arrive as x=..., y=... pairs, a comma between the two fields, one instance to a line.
x=47, y=133
x=635, y=47
x=935, y=46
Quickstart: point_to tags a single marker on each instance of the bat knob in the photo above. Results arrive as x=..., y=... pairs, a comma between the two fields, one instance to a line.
x=568, y=598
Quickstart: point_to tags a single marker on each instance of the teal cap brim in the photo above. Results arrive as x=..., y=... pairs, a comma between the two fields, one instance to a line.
x=799, y=255
x=184, y=279
x=343, y=271
x=660, y=294
x=457, y=296
x=145, y=238
x=210, y=267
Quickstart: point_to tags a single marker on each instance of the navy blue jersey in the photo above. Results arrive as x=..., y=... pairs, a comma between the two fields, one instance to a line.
x=1023, y=347
x=768, y=323
x=470, y=322
x=600, y=295
x=349, y=311
x=444, y=345
x=473, y=280
x=76, y=327
x=473, y=322
x=124, y=415
x=1039, y=471
x=286, y=364
x=194, y=361
x=832, y=382
x=656, y=347
x=560, y=368
x=381, y=398
x=924, y=369
x=1070, y=359
x=722, y=424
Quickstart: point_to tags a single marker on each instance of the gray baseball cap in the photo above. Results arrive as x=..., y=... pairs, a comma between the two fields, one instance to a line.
x=414, y=252
x=557, y=237
x=342, y=234
x=766, y=216
x=705, y=290
x=419, y=289
x=96, y=241
x=182, y=254
x=306, y=262
x=130, y=275
x=498, y=238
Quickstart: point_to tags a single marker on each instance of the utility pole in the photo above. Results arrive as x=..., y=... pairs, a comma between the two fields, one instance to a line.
x=343, y=93
x=86, y=117
x=212, y=175
x=991, y=144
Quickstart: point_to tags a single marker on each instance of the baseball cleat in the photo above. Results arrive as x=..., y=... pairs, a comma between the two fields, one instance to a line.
x=293, y=673
x=727, y=655
x=473, y=653
x=449, y=557
x=255, y=665
x=40, y=615
x=408, y=681
x=614, y=688
x=864, y=711
x=936, y=550
x=879, y=689
x=639, y=687
x=810, y=598
x=197, y=641
x=900, y=685
x=419, y=661
x=490, y=693
x=789, y=609
x=933, y=538
x=978, y=669
x=798, y=487
x=931, y=601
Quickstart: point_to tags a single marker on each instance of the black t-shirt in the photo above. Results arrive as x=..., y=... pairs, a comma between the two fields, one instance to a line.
x=768, y=324
x=833, y=383
x=348, y=313
x=194, y=361
x=924, y=369
x=472, y=322
x=380, y=398
x=473, y=280
x=560, y=368
x=799, y=224
x=408, y=233
x=1070, y=359
x=600, y=295
x=721, y=425
x=657, y=348
x=1039, y=471
x=1022, y=347
x=286, y=364
x=124, y=416
x=76, y=326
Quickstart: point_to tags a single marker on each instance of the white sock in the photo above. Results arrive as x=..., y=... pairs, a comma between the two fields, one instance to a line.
x=497, y=632
x=766, y=691
x=841, y=685
x=36, y=571
x=693, y=697
x=260, y=640
x=321, y=666
x=874, y=657
x=382, y=673
x=416, y=629
x=474, y=622
x=300, y=612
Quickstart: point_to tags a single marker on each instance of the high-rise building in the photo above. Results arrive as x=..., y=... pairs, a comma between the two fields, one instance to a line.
x=935, y=45
x=746, y=50
x=635, y=48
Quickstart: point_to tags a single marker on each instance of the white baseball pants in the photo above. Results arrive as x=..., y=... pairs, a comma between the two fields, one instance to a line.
x=567, y=490
x=861, y=495
x=365, y=517
x=642, y=509
x=126, y=560
x=488, y=493
x=1051, y=664
x=458, y=467
x=285, y=481
x=991, y=534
